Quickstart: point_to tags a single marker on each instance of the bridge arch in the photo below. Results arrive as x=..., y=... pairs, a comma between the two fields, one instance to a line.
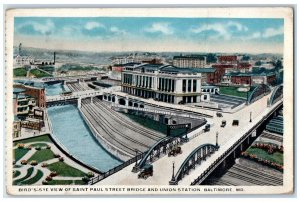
x=258, y=92
x=122, y=101
x=196, y=156
x=276, y=95
x=160, y=147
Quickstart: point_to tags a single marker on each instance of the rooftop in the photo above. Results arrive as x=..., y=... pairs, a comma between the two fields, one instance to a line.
x=201, y=57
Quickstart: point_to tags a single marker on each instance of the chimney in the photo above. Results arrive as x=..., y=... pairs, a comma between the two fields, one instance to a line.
x=54, y=58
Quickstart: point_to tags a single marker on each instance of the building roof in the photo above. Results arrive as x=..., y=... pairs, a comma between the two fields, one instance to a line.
x=171, y=68
x=18, y=90
x=227, y=58
x=200, y=57
x=250, y=74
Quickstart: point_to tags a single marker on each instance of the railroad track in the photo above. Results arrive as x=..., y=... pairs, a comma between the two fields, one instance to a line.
x=272, y=136
x=123, y=121
x=108, y=136
x=114, y=130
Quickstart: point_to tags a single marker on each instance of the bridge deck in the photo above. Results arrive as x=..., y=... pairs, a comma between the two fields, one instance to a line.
x=227, y=136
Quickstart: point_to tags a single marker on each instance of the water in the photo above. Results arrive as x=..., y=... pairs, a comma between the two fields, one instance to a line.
x=70, y=129
x=55, y=89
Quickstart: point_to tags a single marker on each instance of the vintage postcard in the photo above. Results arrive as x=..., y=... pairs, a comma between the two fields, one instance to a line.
x=149, y=101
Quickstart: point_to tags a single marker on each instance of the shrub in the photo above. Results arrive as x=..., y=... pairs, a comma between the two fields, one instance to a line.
x=48, y=147
x=49, y=178
x=44, y=165
x=24, y=162
x=38, y=148
x=45, y=182
x=61, y=158
x=85, y=179
x=33, y=163
x=29, y=147
x=21, y=146
x=53, y=174
x=56, y=155
x=90, y=174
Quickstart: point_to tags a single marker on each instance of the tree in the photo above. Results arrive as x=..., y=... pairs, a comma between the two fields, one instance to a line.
x=211, y=58
x=258, y=63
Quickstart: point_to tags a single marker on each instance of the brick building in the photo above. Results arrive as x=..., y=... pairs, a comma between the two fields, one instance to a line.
x=37, y=93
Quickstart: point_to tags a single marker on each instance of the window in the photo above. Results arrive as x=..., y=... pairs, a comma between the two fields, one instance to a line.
x=194, y=85
x=183, y=85
x=189, y=85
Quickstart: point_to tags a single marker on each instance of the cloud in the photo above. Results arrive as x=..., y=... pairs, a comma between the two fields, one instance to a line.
x=270, y=32
x=222, y=30
x=161, y=27
x=116, y=30
x=267, y=33
x=92, y=25
x=45, y=28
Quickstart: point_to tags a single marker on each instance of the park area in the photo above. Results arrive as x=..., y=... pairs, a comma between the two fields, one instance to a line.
x=37, y=161
x=233, y=91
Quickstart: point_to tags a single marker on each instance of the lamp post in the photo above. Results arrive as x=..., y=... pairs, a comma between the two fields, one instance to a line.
x=136, y=153
x=173, y=176
x=250, y=117
x=217, y=135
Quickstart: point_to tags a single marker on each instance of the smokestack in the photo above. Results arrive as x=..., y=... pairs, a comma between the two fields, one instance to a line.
x=54, y=58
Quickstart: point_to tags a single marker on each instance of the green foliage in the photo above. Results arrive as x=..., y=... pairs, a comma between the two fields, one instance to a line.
x=258, y=63
x=211, y=58
x=34, y=179
x=76, y=67
x=16, y=173
x=39, y=74
x=276, y=157
x=19, y=153
x=42, y=138
x=232, y=90
x=20, y=72
x=66, y=182
x=28, y=174
x=42, y=155
x=64, y=169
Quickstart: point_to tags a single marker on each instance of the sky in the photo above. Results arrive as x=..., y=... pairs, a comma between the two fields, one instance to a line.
x=116, y=34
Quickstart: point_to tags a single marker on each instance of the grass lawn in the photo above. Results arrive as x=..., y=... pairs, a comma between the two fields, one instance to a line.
x=20, y=72
x=16, y=173
x=39, y=145
x=66, y=182
x=28, y=174
x=34, y=179
x=42, y=138
x=39, y=74
x=19, y=153
x=42, y=155
x=232, y=90
x=154, y=125
x=64, y=169
x=276, y=157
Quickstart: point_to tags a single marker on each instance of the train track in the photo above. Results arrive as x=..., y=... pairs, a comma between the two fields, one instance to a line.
x=271, y=136
x=108, y=125
x=123, y=121
x=108, y=136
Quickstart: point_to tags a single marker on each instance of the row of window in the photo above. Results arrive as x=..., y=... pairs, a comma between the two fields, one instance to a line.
x=166, y=85
x=187, y=85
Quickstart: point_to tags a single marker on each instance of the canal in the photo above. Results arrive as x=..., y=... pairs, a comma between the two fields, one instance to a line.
x=71, y=130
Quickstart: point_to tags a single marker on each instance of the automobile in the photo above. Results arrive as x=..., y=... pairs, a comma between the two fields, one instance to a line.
x=181, y=102
x=219, y=114
x=207, y=128
x=146, y=172
x=174, y=151
x=235, y=122
x=223, y=124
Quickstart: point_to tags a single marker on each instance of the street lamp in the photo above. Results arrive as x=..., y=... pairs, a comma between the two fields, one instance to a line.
x=136, y=159
x=217, y=135
x=250, y=116
x=173, y=176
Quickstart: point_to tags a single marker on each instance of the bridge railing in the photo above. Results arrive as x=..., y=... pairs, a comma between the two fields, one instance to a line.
x=98, y=178
x=219, y=160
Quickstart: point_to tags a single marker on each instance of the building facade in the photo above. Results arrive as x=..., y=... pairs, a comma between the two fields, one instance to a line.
x=37, y=93
x=164, y=83
x=189, y=61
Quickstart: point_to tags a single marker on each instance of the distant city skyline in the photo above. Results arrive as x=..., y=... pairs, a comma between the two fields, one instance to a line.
x=117, y=34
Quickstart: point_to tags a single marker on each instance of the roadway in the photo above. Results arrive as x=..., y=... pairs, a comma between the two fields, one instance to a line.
x=227, y=136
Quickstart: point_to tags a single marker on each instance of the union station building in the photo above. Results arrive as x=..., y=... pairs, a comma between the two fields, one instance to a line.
x=164, y=83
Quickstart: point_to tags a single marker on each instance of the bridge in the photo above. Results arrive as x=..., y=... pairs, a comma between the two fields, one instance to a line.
x=79, y=95
x=231, y=139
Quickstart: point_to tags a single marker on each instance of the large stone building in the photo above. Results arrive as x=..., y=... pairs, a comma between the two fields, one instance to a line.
x=189, y=61
x=163, y=83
